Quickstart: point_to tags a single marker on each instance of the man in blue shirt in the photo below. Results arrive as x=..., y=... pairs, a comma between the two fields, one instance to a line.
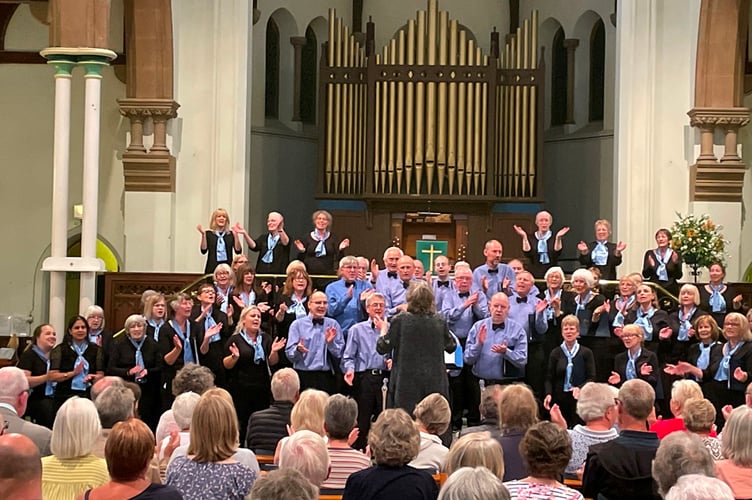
x=365, y=369
x=314, y=345
x=345, y=295
x=497, y=346
x=462, y=309
x=493, y=276
x=396, y=296
x=387, y=279
x=441, y=283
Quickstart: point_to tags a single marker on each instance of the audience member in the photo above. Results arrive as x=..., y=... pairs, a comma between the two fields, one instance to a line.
x=473, y=483
x=681, y=391
x=736, y=469
x=283, y=484
x=307, y=414
x=699, y=415
x=489, y=412
x=394, y=441
x=72, y=468
x=267, y=427
x=182, y=410
x=190, y=378
x=102, y=384
x=129, y=453
x=340, y=417
x=518, y=411
x=306, y=451
x=432, y=416
x=699, y=487
x=20, y=468
x=680, y=453
x=14, y=395
x=114, y=404
x=621, y=468
x=478, y=449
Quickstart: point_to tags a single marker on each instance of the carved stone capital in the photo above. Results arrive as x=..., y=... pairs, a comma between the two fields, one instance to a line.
x=719, y=117
x=154, y=108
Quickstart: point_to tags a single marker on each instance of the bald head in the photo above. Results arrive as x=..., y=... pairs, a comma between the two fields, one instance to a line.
x=406, y=267
x=20, y=468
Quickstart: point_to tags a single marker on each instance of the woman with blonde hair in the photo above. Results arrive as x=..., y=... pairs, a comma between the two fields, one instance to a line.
x=72, y=468
x=155, y=312
x=636, y=361
x=209, y=470
x=307, y=414
x=432, y=416
x=473, y=450
x=518, y=411
x=219, y=241
x=291, y=303
x=736, y=469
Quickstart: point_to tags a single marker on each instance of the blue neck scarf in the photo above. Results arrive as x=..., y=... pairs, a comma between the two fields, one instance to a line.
x=156, y=326
x=221, y=246
x=717, y=302
x=208, y=323
x=49, y=387
x=95, y=337
x=620, y=304
x=225, y=297
x=631, y=368
x=661, y=271
x=271, y=243
x=543, y=247
x=549, y=307
x=685, y=324
x=581, y=303
x=77, y=382
x=185, y=338
x=599, y=253
x=298, y=308
x=248, y=298
x=139, y=355
x=643, y=319
x=258, y=349
x=703, y=360
x=570, y=363
x=320, y=247
x=723, y=375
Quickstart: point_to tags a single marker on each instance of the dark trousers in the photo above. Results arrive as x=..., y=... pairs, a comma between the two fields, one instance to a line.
x=465, y=394
x=367, y=392
x=248, y=399
x=41, y=411
x=321, y=380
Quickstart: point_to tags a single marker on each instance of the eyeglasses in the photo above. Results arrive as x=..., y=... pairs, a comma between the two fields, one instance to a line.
x=617, y=401
x=4, y=428
x=629, y=335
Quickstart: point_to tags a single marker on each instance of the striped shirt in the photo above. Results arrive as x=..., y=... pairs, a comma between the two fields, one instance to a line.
x=537, y=491
x=64, y=479
x=345, y=461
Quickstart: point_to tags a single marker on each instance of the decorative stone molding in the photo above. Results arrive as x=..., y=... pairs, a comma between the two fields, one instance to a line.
x=153, y=169
x=699, y=117
x=719, y=182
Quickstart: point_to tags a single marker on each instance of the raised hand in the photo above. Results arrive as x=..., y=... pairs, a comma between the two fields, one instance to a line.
x=621, y=246
x=740, y=374
x=547, y=402
x=299, y=245
x=283, y=307
x=614, y=379
x=234, y=351
x=212, y=331
x=582, y=247
x=482, y=333
x=301, y=347
x=263, y=307
x=665, y=333
x=239, y=301
x=505, y=283
x=541, y=306
x=576, y=393
x=499, y=348
x=330, y=333
x=672, y=369
x=200, y=229
x=176, y=342
x=266, y=286
x=557, y=417
x=520, y=231
x=344, y=243
x=374, y=269
x=562, y=232
x=646, y=369
x=278, y=344
x=349, y=377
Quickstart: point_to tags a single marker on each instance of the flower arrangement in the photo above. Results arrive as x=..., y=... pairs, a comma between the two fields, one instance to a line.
x=699, y=240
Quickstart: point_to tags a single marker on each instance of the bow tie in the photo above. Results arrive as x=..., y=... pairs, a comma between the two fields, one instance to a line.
x=443, y=283
x=493, y=271
x=405, y=284
x=522, y=299
x=392, y=274
x=349, y=283
x=498, y=326
x=317, y=321
x=464, y=295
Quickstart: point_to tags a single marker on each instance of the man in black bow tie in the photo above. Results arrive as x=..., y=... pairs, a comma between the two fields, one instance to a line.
x=441, y=284
x=345, y=295
x=386, y=280
x=396, y=296
x=490, y=276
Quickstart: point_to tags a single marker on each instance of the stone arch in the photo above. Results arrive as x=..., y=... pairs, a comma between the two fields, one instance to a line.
x=547, y=31
x=316, y=34
x=287, y=27
x=582, y=32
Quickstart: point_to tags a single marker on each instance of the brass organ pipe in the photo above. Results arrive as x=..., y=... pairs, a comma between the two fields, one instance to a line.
x=399, y=164
x=452, y=111
x=377, y=133
x=481, y=102
x=430, y=134
x=392, y=104
x=409, y=106
x=534, y=102
x=470, y=123
x=357, y=111
x=337, y=108
x=509, y=171
x=517, y=94
x=524, y=127
x=346, y=115
x=328, y=163
x=420, y=103
x=442, y=124
x=461, y=116
x=384, y=121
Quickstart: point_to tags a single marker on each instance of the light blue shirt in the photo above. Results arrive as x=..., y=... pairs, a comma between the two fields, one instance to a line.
x=360, y=351
x=495, y=280
x=491, y=365
x=314, y=338
x=346, y=310
x=460, y=318
x=535, y=324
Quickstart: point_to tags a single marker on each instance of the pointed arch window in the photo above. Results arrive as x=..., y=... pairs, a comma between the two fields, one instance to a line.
x=558, y=79
x=309, y=67
x=597, y=71
x=272, y=70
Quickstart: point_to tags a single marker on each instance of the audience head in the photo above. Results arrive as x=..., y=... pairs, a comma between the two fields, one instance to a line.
x=474, y=450
x=183, y=408
x=636, y=399
x=473, y=483
x=420, y=299
x=394, y=439
x=518, y=409
x=340, y=416
x=20, y=468
x=546, y=450
x=129, y=450
x=192, y=378
x=308, y=412
x=104, y=383
x=214, y=428
x=14, y=388
x=285, y=385
x=681, y=391
x=76, y=429
x=489, y=402
x=680, y=453
x=306, y=451
x=283, y=484
x=596, y=402
x=115, y=404
x=698, y=415
x=433, y=414
x=736, y=442
x=699, y=487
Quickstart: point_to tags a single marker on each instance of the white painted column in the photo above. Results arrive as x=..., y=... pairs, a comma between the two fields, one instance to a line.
x=60, y=170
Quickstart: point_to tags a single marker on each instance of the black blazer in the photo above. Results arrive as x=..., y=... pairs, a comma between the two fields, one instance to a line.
x=587, y=326
x=716, y=354
x=673, y=271
x=280, y=256
x=63, y=358
x=742, y=358
x=608, y=271
x=660, y=320
x=326, y=264
x=535, y=267
x=646, y=356
x=583, y=370
x=552, y=336
x=211, y=249
x=165, y=345
x=213, y=358
x=123, y=358
x=673, y=350
x=728, y=295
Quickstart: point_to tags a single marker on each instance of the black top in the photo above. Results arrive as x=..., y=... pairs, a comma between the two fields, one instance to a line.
x=63, y=358
x=552, y=337
x=280, y=256
x=742, y=358
x=728, y=295
x=608, y=271
x=246, y=373
x=383, y=482
x=659, y=321
x=673, y=271
x=326, y=264
x=267, y=427
x=646, y=357
x=583, y=369
x=716, y=354
x=211, y=249
x=535, y=267
x=123, y=358
x=31, y=361
x=153, y=492
x=213, y=358
x=588, y=327
x=672, y=350
x=166, y=344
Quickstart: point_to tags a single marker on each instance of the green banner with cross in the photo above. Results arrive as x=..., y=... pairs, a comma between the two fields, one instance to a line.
x=426, y=251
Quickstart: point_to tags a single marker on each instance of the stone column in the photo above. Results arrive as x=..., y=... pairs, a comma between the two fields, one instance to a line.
x=570, y=44
x=298, y=42
x=56, y=263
